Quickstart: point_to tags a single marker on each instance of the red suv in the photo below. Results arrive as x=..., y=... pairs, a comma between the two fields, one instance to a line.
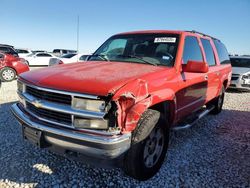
x=119, y=106
x=11, y=66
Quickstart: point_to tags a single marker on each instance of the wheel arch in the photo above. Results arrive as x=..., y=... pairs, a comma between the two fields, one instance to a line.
x=167, y=109
x=166, y=106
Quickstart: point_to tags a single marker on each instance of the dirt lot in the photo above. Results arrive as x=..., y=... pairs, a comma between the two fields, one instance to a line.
x=213, y=153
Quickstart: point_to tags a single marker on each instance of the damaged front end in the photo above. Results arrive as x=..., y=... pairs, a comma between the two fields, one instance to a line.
x=131, y=102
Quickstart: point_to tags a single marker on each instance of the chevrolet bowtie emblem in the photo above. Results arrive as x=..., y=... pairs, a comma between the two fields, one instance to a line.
x=37, y=103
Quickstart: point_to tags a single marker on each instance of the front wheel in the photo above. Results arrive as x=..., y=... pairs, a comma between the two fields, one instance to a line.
x=149, y=146
x=7, y=74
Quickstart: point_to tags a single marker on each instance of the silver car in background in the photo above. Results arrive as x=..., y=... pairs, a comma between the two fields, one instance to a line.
x=241, y=72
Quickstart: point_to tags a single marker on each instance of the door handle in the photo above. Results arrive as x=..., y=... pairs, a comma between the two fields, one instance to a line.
x=206, y=77
x=218, y=73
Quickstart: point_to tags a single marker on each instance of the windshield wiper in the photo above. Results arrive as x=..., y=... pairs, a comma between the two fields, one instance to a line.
x=140, y=58
x=102, y=56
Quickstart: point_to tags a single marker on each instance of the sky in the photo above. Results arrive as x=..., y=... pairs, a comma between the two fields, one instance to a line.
x=50, y=24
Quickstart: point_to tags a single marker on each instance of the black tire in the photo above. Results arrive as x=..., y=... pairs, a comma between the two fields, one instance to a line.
x=136, y=164
x=218, y=102
x=7, y=74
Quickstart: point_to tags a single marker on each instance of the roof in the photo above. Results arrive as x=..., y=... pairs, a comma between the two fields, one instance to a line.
x=166, y=31
x=6, y=45
x=152, y=31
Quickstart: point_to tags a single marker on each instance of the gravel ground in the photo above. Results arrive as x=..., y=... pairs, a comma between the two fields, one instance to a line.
x=213, y=153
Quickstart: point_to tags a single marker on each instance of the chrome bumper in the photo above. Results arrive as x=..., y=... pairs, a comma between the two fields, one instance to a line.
x=103, y=147
x=239, y=84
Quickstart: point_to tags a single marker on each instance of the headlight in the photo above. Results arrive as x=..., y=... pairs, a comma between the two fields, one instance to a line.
x=246, y=76
x=80, y=123
x=87, y=104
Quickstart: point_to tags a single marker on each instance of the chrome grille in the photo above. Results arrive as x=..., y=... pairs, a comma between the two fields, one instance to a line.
x=58, y=117
x=234, y=78
x=49, y=96
x=54, y=106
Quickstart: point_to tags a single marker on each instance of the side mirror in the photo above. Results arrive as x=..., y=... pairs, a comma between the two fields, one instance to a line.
x=196, y=67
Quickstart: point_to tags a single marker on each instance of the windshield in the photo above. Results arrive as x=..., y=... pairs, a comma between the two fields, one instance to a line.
x=155, y=49
x=240, y=62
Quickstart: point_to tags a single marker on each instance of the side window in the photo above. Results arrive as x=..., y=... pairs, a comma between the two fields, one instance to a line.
x=43, y=55
x=209, y=52
x=1, y=56
x=222, y=52
x=192, y=50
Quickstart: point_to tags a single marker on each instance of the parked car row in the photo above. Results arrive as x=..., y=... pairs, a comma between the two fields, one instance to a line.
x=69, y=58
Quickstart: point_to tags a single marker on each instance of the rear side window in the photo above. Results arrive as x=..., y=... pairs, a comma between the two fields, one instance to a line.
x=192, y=50
x=222, y=52
x=208, y=51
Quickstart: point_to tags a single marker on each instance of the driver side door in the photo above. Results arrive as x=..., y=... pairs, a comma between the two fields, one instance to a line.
x=192, y=96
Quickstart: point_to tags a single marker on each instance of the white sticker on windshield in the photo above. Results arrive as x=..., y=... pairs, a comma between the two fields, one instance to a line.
x=165, y=39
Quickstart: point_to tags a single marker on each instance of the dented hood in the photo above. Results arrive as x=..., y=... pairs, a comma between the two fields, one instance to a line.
x=93, y=77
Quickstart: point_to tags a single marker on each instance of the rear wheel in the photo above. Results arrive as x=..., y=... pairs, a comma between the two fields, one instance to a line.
x=218, y=102
x=7, y=74
x=149, y=146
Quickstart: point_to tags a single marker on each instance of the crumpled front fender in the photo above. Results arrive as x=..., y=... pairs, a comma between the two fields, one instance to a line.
x=134, y=99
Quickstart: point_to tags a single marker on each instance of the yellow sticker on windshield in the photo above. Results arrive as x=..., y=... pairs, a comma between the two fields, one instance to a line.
x=165, y=39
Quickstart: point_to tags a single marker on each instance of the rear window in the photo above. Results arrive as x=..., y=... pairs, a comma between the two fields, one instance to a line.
x=8, y=50
x=240, y=62
x=222, y=52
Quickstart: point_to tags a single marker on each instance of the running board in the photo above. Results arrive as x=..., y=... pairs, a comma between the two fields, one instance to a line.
x=199, y=116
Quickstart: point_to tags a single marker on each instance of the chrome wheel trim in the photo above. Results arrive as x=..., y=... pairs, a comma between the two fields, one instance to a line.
x=153, y=147
x=8, y=74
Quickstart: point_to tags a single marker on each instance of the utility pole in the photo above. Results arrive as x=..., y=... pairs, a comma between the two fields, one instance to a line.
x=77, y=35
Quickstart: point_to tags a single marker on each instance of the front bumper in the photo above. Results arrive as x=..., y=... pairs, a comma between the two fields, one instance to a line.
x=239, y=84
x=68, y=140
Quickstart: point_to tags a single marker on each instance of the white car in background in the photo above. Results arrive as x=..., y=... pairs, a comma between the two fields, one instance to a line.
x=23, y=52
x=39, y=59
x=241, y=72
x=69, y=58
